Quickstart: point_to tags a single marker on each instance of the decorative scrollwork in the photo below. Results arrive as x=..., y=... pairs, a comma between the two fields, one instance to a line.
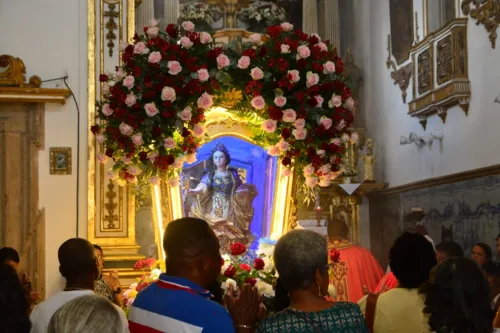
x=424, y=67
x=485, y=12
x=111, y=217
x=111, y=26
x=402, y=78
x=444, y=60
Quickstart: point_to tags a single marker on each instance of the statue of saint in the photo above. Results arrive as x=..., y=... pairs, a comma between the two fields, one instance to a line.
x=223, y=200
x=369, y=160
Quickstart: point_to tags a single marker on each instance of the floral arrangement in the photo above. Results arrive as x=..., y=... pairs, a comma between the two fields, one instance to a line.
x=200, y=13
x=262, y=14
x=151, y=114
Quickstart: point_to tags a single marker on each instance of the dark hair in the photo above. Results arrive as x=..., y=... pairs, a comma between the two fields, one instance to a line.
x=210, y=170
x=97, y=247
x=216, y=291
x=492, y=269
x=8, y=253
x=281, y=298
x=337, y=228
x=457, y=299
x=487, y=250
x=77, y=258
x=13, y=303
x=450, y=248
x=188, y=237
x=411, y=258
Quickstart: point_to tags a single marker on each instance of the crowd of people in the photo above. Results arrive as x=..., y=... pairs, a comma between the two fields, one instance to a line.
x=428, y=289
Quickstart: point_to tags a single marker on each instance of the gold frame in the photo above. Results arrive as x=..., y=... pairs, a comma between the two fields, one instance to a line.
x=53, y=155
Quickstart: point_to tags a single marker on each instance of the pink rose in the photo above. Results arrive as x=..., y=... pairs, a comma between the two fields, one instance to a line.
x=273, y=151
x=126, y=129
x=154, y=180
x=283, y=145
x=322, y=46
x=336, y=141
x=299, y=133
x=286, y=172
x=151, y=109
x=258, y=103
x=174, y=67
x=153, y=22
x=345, y=137
x=130, y=178
x=324, y=181
x=329, y=67
x=152, y=157
x=186, y=42
x=355, y=137
x=300, y=123
x=127, y=160
x=244, y=62
x=191, y=158
x=179, y=162
x=107, y=110
x=168, y=94
x=280, y=101
x=205, y=101
x=154, y=57
x=286, y=26
x=303, y=52
x=255, y=38
x=153, y=31
x=112, y=174
x=312, y=181
x=317, y=36
x=188, y=25
x=341, y=125
x=169, y=143
x=134, y=170
x=335, y=101
x=140, y=48
x=349, y=103
x=320, y=152
x=285, y=48
x=120, y=74
x=199, y=131
x=312, y=79
x=319, y=100
x=223, y=61
x=203, y=75
x=289, y=115
x=269, y=125
x=100, y=138
x=105, y=89
x=130, y=100
x=102, y=158
x=308, y=170
x=186, y=114
x=205, y=38
x=256, y=73
x=294, y=75
x=326, y=122
x=137, y=139
x=325, y=169
x=129, y=82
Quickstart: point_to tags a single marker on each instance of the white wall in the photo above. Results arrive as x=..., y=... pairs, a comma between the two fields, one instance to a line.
x=50, y=36
x=469, y=142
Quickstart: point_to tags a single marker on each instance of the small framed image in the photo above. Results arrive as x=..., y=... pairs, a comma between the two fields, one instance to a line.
x=60, y=161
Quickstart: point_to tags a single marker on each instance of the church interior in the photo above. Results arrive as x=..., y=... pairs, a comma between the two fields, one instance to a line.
x=420, y=82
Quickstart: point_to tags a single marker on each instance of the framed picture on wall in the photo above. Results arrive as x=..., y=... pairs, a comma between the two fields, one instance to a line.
x=60, y=161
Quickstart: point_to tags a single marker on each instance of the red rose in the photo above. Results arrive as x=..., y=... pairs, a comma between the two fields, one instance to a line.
x=237, y=249
x=263, y=51
x=259, y=264
x=285, y=133
x=251, y=281
x=103, y=78
x=334, y=256
x=171, y=30
x=230, y=271
x=286, y=161
x=274, y=31
x=246, y=267
x=95, y=129
x=109, y=152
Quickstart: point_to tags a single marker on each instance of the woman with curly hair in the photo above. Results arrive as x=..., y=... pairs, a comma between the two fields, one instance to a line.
x=457, y=299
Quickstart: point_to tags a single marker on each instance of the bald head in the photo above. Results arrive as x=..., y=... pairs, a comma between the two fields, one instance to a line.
x=77, y=260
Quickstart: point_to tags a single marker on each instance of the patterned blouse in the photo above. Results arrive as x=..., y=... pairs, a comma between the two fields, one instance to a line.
x=340, y=318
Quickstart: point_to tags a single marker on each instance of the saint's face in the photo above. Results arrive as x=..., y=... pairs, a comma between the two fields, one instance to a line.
x=219, y=159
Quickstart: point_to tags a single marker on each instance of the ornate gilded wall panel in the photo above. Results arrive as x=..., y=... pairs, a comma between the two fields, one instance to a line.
x=444, y=60
x=424, y=73
x=487, y=13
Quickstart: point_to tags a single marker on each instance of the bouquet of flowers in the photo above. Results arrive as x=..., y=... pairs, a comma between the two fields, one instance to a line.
x=200, y=13
x=261, y=14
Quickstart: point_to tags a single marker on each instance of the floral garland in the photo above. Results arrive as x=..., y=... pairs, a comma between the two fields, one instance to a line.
x=262, y=14
x=152, y=110
x=201, y=14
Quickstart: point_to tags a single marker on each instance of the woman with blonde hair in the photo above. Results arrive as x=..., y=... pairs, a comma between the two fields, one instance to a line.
x=86, y=314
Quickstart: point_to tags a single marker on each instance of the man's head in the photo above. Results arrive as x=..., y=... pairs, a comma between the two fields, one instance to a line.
x=9, y=256
x=445, y=250
x=337, y=230
x=492, y=272
x=78, y=262
x=192, y=250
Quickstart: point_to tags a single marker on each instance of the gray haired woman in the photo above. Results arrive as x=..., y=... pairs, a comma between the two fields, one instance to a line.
x=87, y=314
x=301, y=259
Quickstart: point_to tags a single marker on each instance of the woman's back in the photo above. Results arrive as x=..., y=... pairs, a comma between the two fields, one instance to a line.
x=340, y=318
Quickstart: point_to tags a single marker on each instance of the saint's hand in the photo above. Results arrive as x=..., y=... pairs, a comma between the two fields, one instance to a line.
x=245, y=308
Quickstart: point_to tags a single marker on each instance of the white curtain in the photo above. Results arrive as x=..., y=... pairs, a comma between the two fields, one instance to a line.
x=310, y=16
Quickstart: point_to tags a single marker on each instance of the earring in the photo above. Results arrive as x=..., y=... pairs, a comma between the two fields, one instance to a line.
x=320, y=294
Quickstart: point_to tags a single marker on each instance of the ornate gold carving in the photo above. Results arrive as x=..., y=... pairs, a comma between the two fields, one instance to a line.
x=111, y=217
x=33, y=95
x=402, y=78
x=487, y=14
x=293, y=213
x=369, y=160
x=444, y=60
x=230, y=98
x=424, y=65
x=111, y=26
x=12, y=71
x=60, y=161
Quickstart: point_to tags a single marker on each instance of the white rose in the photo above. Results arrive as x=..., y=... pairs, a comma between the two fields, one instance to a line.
x=265, y=289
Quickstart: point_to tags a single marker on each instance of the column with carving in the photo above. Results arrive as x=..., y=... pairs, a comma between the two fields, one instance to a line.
x=329, y=17
x=144, y=12
x=171, y=11
x=310, y=16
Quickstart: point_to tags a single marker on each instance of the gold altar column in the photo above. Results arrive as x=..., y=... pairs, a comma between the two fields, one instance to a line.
x=329, y=21
x=171, y=11
x=144, y=12
x=111, y=208
x=310, y=16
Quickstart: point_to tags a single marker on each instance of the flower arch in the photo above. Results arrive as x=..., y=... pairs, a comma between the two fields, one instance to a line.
x=288, y=86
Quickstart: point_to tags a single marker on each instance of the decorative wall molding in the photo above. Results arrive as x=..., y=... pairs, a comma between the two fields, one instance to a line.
x=401, y=76
x=486, y=13
x=442, y=78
